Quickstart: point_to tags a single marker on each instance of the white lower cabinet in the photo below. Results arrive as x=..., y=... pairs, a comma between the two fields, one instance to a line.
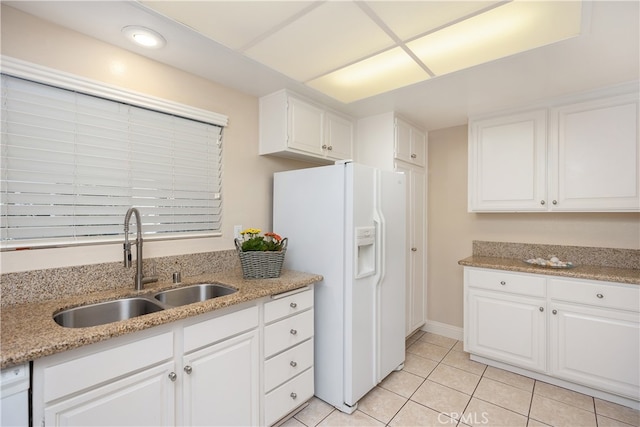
x=199, y=371
x=288, y=352
x=204, y=370
x=142, y=399
x=520, y=340
x=222, y=385
x=221, y=381
x=595, y=335
x=581, y=332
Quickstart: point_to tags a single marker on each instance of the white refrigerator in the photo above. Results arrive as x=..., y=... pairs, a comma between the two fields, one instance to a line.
x=347, y=222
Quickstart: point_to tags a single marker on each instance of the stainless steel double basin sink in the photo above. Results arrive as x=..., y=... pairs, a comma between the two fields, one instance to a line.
x=128, y=308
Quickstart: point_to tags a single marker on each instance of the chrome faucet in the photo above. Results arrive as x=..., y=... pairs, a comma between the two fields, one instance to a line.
x=139, y=280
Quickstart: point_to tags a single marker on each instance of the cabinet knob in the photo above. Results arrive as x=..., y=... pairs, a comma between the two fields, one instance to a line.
x=188, y=369
x=542, y=202
x=330, y=148
x=293, y=332
x=324, y=146
x=555, y=311
x=541, y=309
x=293, y=363
x=293, y=395
x=555, y=202
x=413, y=156
x=502, y=282
x=293, y=305
x=414, y=249
x=600, y=296
x=172, y=376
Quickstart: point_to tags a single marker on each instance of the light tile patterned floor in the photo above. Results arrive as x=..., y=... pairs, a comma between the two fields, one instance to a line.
x=441, y=386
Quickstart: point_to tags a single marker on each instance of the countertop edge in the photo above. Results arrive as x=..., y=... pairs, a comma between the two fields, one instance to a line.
x=605, y=274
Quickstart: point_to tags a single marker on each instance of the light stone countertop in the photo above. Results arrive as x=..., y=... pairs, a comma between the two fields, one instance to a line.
x=28, y=332
x=590, y=272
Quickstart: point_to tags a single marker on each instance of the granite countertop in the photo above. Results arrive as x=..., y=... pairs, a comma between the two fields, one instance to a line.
x=607, y=274
x=28, y=332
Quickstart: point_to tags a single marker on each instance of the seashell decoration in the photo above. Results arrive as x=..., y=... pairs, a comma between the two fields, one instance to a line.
x=553, y=262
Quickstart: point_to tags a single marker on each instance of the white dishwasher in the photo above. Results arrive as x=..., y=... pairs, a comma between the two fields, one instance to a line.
x=14, y=396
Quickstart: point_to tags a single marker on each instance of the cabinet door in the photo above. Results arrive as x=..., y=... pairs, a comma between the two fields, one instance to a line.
x=410, y=144
x=416, y=291
x=596, y=347
x=221, y=383
x=596, y=162
x=403, y=141
x=143, y=399
x=508, y=328
x=339, y=137
x=507, y=163
x=418, y=147
x=305, y=127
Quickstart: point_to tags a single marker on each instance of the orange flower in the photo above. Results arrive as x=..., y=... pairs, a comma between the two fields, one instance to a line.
x=273, y=235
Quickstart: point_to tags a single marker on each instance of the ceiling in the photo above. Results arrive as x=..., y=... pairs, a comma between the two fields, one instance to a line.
x=259, y=47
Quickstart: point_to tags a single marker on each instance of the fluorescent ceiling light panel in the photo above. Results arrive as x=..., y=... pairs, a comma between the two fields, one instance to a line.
x=231, y=23
x=352, y=51
x=506, y=30
x=381, y=73
x=409, y=19
x=327, y=38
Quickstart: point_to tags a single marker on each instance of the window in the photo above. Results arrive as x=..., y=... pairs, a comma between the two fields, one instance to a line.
x=73, y=163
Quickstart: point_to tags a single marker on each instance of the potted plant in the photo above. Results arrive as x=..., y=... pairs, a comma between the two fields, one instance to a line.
x=261, y=256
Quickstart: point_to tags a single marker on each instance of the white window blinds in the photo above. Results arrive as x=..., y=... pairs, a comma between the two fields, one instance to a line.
x=72, y=164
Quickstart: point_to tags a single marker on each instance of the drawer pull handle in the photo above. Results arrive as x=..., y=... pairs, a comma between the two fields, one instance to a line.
x=293, y=305
x=293, y=332
x=293, y=363
x=172, y=376
x=502, y=282
x=555, y=311
x=541, y=309
x=600, y=296
x=293, y=395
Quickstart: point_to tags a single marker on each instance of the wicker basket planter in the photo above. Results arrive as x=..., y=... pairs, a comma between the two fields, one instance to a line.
x=261, y=264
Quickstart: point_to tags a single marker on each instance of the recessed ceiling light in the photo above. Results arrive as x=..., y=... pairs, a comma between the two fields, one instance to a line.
x=144, y=36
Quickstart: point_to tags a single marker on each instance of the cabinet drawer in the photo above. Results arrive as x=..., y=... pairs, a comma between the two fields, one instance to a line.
x=288, y=396
x=601, y=294
x=497, y=280
x=287, y=365
x=292, y=304
x=213, y=330
x=288, y=332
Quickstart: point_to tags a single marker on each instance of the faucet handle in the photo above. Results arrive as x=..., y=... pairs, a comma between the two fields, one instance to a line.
x=127, y=254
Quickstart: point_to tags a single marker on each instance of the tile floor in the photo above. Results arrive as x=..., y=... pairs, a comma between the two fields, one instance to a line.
x=441, y=386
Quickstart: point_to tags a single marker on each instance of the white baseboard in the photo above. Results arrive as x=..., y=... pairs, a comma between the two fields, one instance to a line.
x=443, y=329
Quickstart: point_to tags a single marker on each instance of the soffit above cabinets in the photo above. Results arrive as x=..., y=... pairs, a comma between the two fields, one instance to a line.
x=351, y=50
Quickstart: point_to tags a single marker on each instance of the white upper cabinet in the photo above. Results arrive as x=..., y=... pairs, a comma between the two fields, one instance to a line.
x=507, y=163
x=305, y=127
x=291, y=126
x=580, y=156
x=596, y=155
x=410, y=143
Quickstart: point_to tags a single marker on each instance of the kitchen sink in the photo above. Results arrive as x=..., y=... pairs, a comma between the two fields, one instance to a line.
x=193, y=293
x=105, y=312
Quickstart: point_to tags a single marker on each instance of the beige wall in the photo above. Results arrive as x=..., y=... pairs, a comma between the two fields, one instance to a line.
x=247, y=176
x=451, y=229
